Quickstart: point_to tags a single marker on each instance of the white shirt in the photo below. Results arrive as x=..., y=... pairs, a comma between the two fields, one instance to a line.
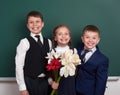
x=22, y=48
x=63, y=49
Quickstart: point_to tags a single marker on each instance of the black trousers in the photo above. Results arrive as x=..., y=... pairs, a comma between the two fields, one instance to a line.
x=38, y=86
x=79, y=93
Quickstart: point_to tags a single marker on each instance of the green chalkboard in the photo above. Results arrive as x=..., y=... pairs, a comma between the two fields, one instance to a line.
x=74, y=13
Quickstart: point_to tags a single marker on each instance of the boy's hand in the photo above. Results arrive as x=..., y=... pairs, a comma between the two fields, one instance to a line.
x=25, y=92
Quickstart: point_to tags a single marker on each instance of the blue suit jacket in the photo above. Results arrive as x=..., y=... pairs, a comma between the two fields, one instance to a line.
x=92, y=76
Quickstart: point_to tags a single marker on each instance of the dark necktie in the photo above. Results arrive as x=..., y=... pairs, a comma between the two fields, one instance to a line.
x=38, y=40
x=83, y=55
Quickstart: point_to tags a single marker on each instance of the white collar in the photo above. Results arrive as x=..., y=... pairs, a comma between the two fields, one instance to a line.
x=33, y=35
x=93, y=49
x=61, y=49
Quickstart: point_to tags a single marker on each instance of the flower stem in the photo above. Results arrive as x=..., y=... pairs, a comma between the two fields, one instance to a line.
x=54, y=91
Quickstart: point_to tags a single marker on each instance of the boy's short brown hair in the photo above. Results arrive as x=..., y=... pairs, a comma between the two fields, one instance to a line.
x=34, y=14
x=91, y=28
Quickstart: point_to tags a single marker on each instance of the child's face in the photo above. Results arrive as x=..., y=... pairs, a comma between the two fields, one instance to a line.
x=90, y=39
x=35, y=24
x=62, y=36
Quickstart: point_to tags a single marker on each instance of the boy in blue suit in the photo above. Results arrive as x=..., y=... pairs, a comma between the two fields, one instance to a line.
x=92, y=74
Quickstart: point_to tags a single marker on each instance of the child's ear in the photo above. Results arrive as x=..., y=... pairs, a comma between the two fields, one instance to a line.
x=82, y=38
x=42, y=24
x=98, y=41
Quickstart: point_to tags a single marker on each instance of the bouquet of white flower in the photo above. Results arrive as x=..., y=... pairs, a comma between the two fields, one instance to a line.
x=65, y=63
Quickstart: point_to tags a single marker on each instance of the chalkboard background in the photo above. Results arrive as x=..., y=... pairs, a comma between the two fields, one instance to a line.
x=75, y=13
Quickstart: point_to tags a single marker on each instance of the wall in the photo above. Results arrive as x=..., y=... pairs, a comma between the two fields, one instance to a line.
x=113, y=86
x=8, y=86
x=74, y=13
x=11, y=88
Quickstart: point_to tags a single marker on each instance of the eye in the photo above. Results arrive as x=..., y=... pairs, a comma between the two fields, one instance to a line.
x=37, y=21
x=87, y=37
x=66, y=33
x=30, y=22
x=59, y=34
x=94, y=38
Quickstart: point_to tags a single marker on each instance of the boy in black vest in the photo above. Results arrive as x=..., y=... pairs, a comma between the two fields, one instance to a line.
x=30, y=58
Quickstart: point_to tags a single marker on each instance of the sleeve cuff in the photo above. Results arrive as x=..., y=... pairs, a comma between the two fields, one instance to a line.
x=22, y=87
x=50, y=80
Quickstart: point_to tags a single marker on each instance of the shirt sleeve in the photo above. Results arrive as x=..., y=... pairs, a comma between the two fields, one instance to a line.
x=21, y=50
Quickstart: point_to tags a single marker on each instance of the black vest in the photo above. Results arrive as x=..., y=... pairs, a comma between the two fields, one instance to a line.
x=35, y=60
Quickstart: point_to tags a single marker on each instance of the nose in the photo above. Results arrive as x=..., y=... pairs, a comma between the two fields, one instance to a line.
x=63, y=35
x=90, y=40
x=34, y=23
